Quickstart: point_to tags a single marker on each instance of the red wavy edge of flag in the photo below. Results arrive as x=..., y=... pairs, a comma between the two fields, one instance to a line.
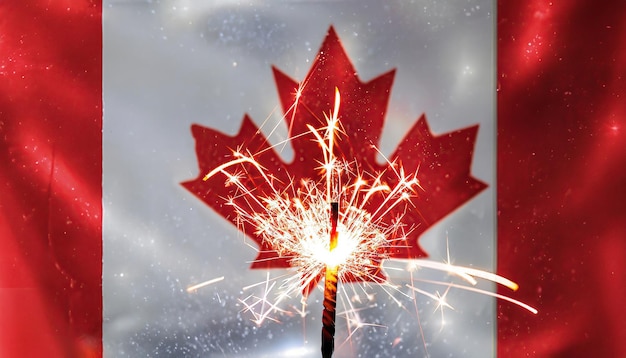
x=561, y=178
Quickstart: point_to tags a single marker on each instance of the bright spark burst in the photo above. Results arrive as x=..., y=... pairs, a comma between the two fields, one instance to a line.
x=295, y=223
x=205, y=283
x=295, y=220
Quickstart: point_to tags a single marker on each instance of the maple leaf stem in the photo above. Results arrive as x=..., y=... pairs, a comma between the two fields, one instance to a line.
x=330, y=290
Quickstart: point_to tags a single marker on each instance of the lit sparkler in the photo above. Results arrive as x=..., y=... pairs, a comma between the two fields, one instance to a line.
x=293, y=219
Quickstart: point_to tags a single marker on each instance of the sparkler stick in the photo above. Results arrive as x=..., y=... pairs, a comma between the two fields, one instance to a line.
x=330, y=289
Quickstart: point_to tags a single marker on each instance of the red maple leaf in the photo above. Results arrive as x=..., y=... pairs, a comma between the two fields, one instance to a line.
x=443, y=161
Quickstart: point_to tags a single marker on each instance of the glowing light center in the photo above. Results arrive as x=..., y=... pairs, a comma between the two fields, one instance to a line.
x=298, y=229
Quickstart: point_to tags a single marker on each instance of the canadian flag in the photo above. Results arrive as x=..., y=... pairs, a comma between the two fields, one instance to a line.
x=100, y=242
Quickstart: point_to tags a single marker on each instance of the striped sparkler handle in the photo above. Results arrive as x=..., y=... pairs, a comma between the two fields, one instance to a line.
x=330, y=290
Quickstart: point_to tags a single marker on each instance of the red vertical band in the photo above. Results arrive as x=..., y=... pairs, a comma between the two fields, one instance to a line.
x=50, y=179
x=562, y=177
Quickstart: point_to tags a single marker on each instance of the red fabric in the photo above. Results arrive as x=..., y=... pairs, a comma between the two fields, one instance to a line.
x=50, y=179
x=562, y=177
